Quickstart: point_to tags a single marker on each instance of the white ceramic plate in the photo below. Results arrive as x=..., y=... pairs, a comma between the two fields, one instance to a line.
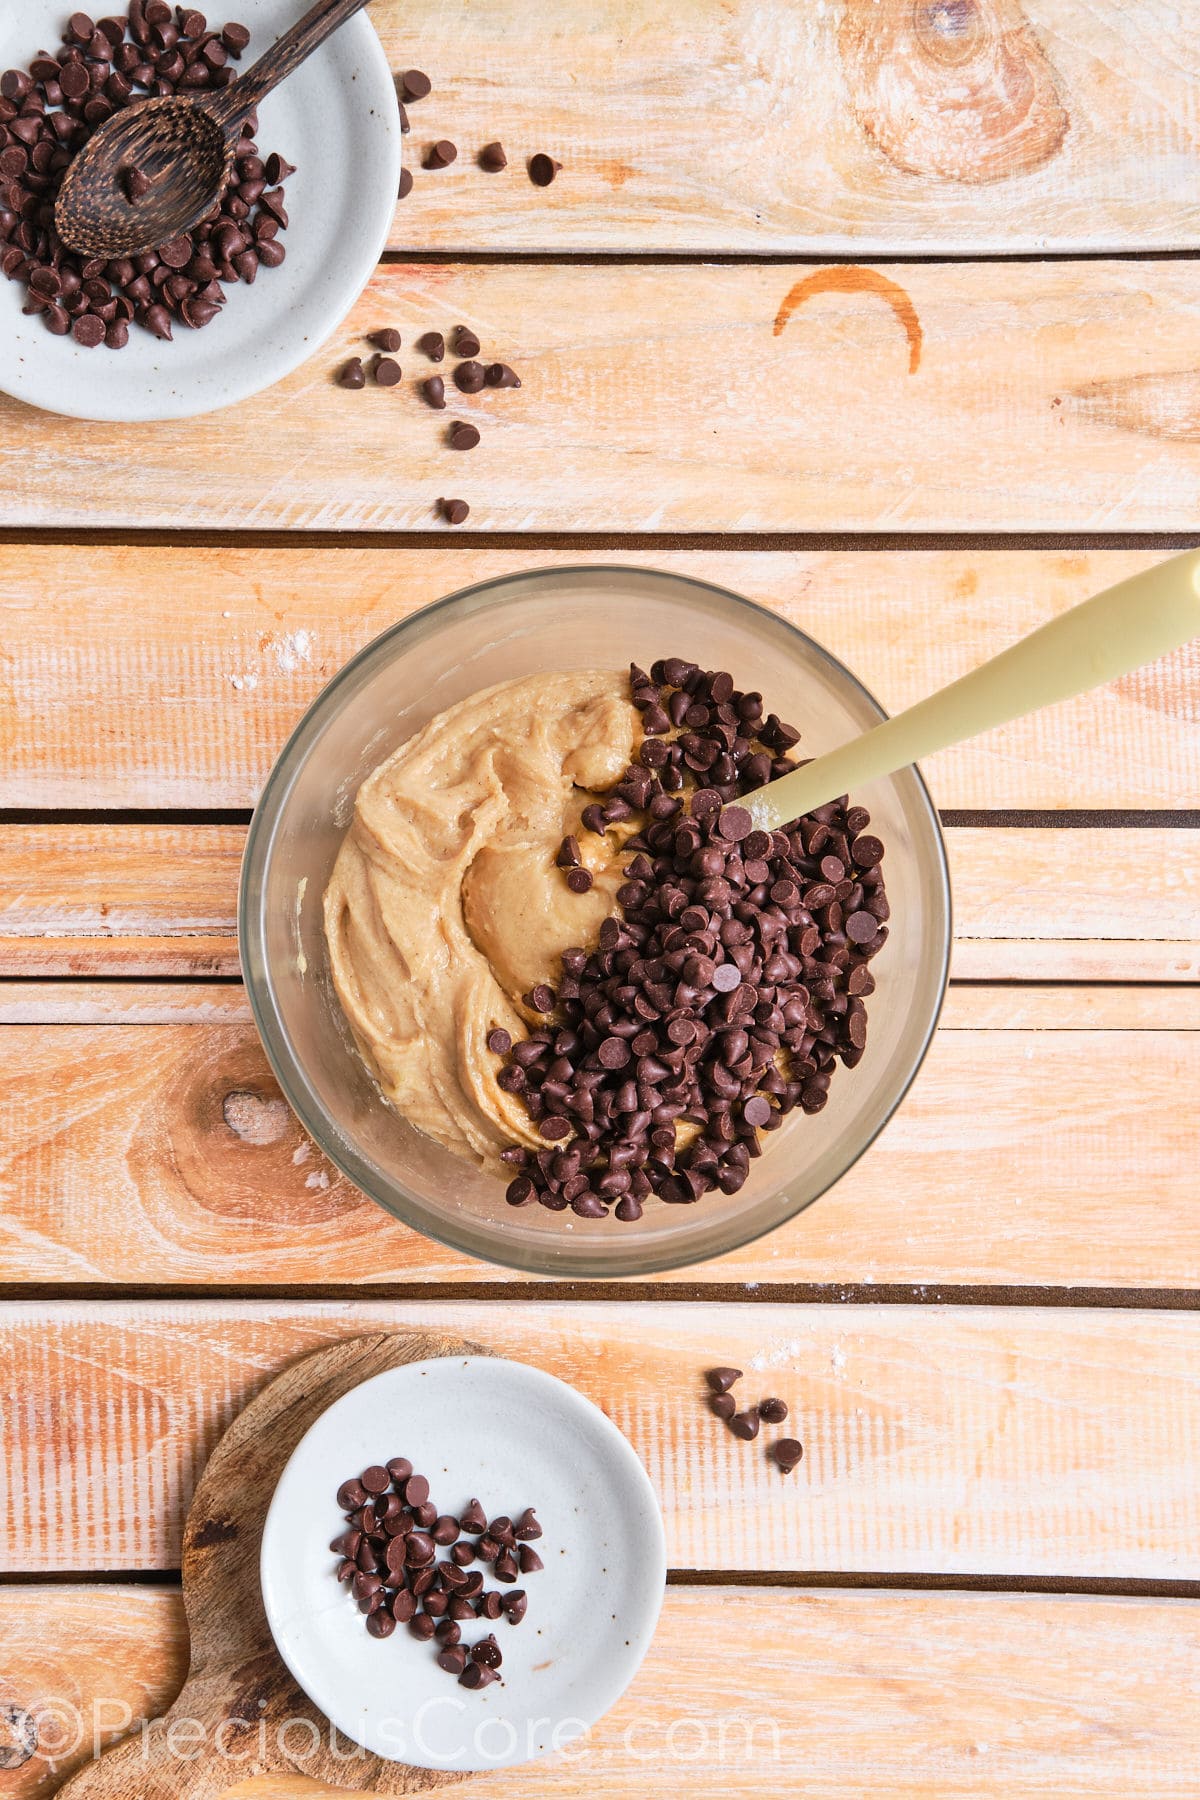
x=511, y=1436
x=337, y=120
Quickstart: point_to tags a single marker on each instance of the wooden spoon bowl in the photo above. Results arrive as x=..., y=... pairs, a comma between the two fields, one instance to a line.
x=183, y=151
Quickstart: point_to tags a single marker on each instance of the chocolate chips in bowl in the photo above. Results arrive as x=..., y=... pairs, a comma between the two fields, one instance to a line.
x=548, y=623
x=728, y=987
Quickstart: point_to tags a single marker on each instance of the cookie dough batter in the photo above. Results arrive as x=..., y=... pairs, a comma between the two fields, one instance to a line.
x=445, y=905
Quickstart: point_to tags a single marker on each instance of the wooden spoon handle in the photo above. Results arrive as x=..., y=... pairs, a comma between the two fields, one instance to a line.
x=1115, y=632
x=283, y=58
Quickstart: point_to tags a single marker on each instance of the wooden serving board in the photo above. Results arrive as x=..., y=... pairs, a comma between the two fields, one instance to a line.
x=237, y=1686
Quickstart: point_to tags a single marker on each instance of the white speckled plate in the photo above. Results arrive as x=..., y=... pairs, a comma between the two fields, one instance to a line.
x=337, y=120
x=511, y=1436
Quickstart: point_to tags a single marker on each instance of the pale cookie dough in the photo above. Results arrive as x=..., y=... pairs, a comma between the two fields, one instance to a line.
x=445, y=905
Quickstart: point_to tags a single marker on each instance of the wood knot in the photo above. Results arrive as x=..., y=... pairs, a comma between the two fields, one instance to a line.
x=948, y=30
x=219, y=1135
x=213, y=1531
x=18, y=1737
x=255, y=1118
x=957, y=89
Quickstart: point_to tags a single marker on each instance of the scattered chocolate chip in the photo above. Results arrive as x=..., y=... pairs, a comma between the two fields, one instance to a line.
x=772, y=1412
x=579, y=880
x=499, y=1042
x=465, y=342
x=434, y=390
x=468, y=377
x=415, y=84
x=499, y=375
x=543, y=169
x=353, y=374
x=492, y=158
x=386, y=371
x=441, y=154
x=721, y=1380
x=434, y=345
x=724, y=1405
x=463, y=436
x=406, y=183
x=453, y=1659
x=744, y=1425
x=455, y=512
x=787, y=1452
x=387, y=339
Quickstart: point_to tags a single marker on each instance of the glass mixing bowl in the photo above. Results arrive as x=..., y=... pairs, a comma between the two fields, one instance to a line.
x=555, y=619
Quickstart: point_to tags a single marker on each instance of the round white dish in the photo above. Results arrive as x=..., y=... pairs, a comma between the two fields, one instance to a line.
x=511, y=1436
x=337, y=119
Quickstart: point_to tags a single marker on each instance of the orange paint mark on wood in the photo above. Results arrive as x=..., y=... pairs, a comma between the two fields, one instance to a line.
x=852, y=279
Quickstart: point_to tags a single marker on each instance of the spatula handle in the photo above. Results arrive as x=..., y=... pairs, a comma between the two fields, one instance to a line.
x=1105, y=637
x=285, y=56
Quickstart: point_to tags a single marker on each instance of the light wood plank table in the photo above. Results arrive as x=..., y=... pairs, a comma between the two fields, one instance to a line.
x=805, y=314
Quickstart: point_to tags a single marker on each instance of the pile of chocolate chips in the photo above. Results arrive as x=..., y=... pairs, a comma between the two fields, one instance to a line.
x=730, y=988
x=48, y=113
x=389, y=1555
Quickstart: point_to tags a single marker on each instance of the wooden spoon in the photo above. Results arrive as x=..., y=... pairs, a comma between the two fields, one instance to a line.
x=1133, y=623
x=184, y=145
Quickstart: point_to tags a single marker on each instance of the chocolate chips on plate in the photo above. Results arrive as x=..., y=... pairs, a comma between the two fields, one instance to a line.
x=407, y=1564
x=47, y=115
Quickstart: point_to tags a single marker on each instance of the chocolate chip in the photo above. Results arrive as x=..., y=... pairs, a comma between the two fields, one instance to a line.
x=386, y=371
x=492, y=158
x=474, y=1519
x=453, y=1659
x=527, y=1527
x=787, y=1452
x=434, y=345
x=499, y=375
x=416, y=1490
x=476, y=1675
x=434, y=390
x=441, y=154
x=465, y=342
x=499, y=1042
x=387, y=339
x=579, y=880
x=528, y=1560
x=406, y=183
x=468, y=377
x=724, y=1405
x=376, y=1479
x=415, y=84
x=463, y=436
x=353, y=374
x=722, y=1379
x=134, y=183
x=772, y=1411
x=543, y=169
x=744, y=1425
